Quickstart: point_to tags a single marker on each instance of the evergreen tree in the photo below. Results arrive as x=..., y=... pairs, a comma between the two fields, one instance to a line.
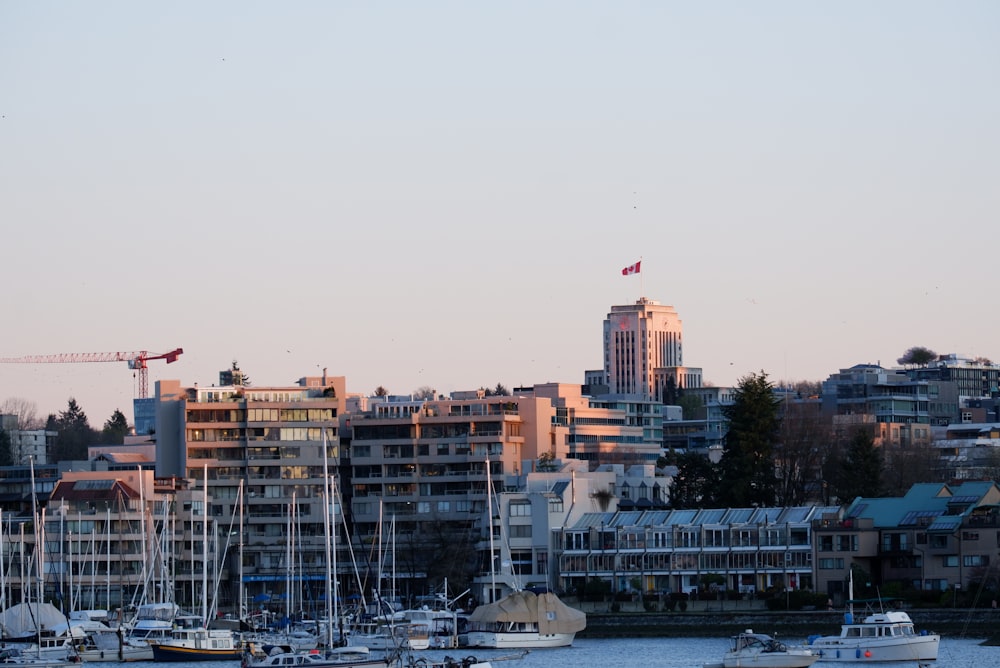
x=115, y=429
x=696, y=483
x=861, y=468
x=670, y=393
x=73, y=433
x=6, y=449
x=747, y=467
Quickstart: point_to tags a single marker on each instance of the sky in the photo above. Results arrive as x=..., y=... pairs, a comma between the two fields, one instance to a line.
x=443, y=194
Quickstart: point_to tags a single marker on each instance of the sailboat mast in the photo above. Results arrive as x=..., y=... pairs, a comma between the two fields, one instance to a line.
x=239, y=599
x=204, y=550
x=331, y=588
x=489, y=526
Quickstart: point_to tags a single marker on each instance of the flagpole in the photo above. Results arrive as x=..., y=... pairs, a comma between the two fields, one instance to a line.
x=642, y=280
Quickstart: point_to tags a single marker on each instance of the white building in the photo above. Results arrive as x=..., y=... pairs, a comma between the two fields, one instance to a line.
x=643, y=347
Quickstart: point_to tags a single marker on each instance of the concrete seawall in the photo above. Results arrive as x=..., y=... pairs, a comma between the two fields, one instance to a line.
x=792, y=626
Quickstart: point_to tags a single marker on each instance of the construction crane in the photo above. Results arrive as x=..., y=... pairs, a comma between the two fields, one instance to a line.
x=136, y=361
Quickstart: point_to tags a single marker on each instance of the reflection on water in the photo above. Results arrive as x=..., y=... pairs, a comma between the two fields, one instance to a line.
x=652, y=653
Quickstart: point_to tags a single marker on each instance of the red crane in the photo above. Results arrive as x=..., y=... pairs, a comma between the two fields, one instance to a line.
x=136, y=360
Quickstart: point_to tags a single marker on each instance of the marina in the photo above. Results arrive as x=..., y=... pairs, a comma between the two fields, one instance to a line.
x=955, y=652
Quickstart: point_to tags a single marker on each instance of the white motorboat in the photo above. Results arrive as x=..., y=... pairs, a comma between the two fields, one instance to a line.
x=340, y=657
x=763, y=651
x=880, y=636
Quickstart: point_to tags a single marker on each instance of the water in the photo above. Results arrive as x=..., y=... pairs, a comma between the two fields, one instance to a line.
x=651, y=653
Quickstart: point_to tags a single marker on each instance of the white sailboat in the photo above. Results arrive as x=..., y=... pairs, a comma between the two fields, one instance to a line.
x=523, y=619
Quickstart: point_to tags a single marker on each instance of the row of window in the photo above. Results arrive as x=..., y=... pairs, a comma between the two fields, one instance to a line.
x=240, y=415
x=252, y=434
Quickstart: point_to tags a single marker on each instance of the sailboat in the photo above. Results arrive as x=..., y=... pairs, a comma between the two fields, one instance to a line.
x=334, y=655
x=524, y=619
x=191, y=639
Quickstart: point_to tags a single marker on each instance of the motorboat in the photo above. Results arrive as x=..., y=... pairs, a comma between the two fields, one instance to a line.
x=880, y=636
x=339, y=657
x=191, y=641
x=763, y=651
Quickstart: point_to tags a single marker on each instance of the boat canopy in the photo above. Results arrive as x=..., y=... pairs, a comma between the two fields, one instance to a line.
x=551, y=614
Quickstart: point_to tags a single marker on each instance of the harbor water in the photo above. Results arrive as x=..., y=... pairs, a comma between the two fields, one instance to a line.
x=651, y=653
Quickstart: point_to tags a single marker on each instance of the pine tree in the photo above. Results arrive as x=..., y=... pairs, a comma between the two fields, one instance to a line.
x=73, y=433
x=115, y=429
x=747, y=466
x=861, y=468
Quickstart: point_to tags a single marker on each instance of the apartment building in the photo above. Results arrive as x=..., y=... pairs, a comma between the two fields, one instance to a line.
x=107, y=541
x=753, y=549
x=423, y=466
x=261, y=448
x=518, y=549
x=936, y=537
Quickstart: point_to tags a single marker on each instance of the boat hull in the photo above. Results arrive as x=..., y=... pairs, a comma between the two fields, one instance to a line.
x=528, y=640
x=789, y=659
x=168, y=653
x=912, y=648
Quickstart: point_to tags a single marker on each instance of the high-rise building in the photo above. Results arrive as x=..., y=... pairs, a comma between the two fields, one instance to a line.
x=261, y=448
x=643, y=350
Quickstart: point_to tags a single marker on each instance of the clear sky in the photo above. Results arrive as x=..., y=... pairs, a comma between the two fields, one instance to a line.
x=444, y=194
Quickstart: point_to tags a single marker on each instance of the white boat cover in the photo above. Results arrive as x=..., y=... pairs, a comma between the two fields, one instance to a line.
x=551, y=614
x=21, y=620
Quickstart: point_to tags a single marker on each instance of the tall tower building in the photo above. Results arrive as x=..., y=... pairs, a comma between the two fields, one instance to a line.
x=643, y=348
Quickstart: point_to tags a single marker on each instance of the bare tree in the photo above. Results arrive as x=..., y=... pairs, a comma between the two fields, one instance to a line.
x=799, y=455
x=424, y=392
x=25, y=410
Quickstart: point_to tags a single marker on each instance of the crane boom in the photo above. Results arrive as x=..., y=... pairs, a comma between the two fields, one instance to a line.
x=136, y=360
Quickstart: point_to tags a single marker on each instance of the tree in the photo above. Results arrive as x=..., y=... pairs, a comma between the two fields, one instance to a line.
x=670, y=393
x=115, y=429
x=804, y=441
x=380, y=391
x=234, y=376
x=690, y=404
x=73, y=434
x=499, y=391
x=6, y=449
x=696, y=483
x=905, y=467
x=25, y=410
x=861, y=468
x=917, y=356
x=747, y=467
x=424, y=393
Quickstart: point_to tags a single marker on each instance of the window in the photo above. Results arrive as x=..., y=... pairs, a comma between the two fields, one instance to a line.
x=847, y=543
x=520, y=509
x=826, y=543
x=975, y=560
x=520, y=531
x=831, y=564
x=555, y=505
x=949, y=561
x=939, y=542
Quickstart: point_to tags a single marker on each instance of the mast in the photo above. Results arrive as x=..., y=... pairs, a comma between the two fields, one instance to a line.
x=240, y=602
x=204, y=551
x=489, y=516
x=331, y=589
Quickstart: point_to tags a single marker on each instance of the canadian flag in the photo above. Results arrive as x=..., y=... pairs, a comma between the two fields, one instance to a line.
x=631, y=269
